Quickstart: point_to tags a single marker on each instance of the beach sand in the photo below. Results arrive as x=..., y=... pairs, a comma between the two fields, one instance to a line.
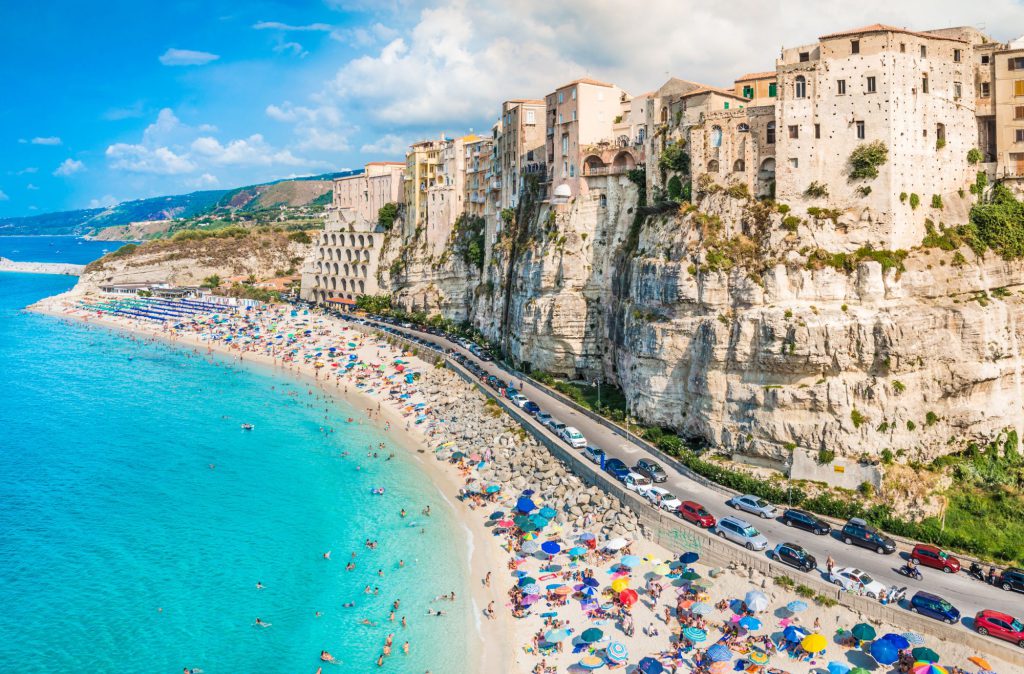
x=505, y=644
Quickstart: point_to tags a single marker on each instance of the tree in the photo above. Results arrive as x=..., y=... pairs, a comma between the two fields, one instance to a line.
x=386, y=215
x=211, y=281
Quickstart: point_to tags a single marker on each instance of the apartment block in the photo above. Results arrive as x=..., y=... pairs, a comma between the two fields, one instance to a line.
x=518, y=149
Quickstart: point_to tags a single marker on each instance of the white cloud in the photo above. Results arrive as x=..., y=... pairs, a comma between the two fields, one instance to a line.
x=46, y=140
x=205, y=180
x=295, y=48
x=106, y=201
x=251, y=151
x=30, y=186
x=388, y=144
x=144, y=159
x=316, y=128
x=277, y=25
x=69, y=167
x=3, y=196
x=127, y=112
x=186, y=57
x=27, y=169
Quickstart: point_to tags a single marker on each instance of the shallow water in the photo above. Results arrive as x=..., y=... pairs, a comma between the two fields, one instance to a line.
x=123, y=550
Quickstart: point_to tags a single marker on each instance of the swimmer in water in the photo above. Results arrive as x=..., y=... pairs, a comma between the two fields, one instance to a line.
x=260, y=623
x=327, y=555
x=259, y=585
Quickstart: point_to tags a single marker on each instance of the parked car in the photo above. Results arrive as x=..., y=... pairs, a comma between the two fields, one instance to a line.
x=616, y=468
x=929, y=555
x=544, y=418
x=637, y=482
x=693, y=512
x=486, y=357
x=855, y=580
x=1011, y=579
x=934, y=606
x=806, y=521
x=754, y=505
x=557, y=427
x=662, y=498
x=573, y=437
x=593, y=453
x=858, y=532
x=518, y=399
x=1000, y=626
x=741, y=532
x=531, y=407
x=794, y=555
x=650, y=469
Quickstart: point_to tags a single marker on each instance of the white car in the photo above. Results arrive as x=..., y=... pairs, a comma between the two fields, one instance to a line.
x=855, y=580
x=573, y=437
x=663, y=498
x=518, y=399
x=637, y=482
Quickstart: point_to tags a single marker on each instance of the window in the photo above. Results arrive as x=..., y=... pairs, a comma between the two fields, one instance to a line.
x=958, y=90
x=772, y=90
x=794, y=131
x=1015, y=63
x=956, y=55
x=854, y=46
x=841, y=87
x=1018, y=87
x=739, y=166
x=743, y=128
x=716, y=136
x=748, y=91
x=805, y=56
x=713, y=166
x=574, y=115
x=531, y=116
x=1018, y=112
x=817, y=130
x=769, y=136
x=903, y=47
x=924, y=52
x=1018, y=135
x=985, y=90
x=940, y=134
x=574, y=93
x=727, y=105
x=561, y=96
x=924, y=83
x=604, y=201
x=800, y=87
x=529, y=155
x=794, y=162
x=560, y=118
x=984, y=59
x=664, y=115
x=572, y=170
x=565, y=143
x=860, y=129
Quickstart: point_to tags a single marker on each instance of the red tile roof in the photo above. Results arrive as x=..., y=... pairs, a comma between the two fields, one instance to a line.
x=756, y=76
x=883, y=28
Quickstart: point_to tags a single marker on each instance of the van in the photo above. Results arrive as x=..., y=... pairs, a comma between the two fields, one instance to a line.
x=934, y=606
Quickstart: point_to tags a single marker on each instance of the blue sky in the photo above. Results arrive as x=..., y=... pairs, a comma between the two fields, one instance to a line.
x=121, y=100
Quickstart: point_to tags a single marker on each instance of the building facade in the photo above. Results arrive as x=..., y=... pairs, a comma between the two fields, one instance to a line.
x=518, y=149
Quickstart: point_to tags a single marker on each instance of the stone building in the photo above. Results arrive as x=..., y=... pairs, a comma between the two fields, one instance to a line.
x=1007, y=76
x=479, y=155
x=758, y=88
x=420, y=174
x=518, y=148
x=446, y=195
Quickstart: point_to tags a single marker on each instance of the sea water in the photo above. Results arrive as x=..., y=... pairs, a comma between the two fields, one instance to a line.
x=70, y=249
x=137, y=516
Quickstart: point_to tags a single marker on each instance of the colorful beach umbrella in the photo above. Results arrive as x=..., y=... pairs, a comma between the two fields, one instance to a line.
x=628, y=597
x=617, y=652
x=927, y=668
x=796, y=606
x=505, y=524
x=554, y=636
x=695, y=634
x=756, y=601
x=650, y=666
x=590, y=662
x=590, y=635
x=532, y=588
x=859, y=670
x=758, y=657
x=719, y=653
x=914, y=638
x=700, y=608
x=620, y=584
x=884, y=652
x=814, y=643
x=838, y=668
x=923, y=654
x=863, y=632
x=897, y=640
x=750, y=623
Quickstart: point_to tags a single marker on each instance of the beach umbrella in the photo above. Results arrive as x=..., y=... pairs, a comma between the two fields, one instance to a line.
x=628, y=597
x=756, y=601
x=925, y=655
x=527, y=580
x=814, y=643
x=859, y=670
x=690, y=575
x=551, y=548
x=695, y=634
x=616, y=544
x=497, y=515
x=796, y=606
x=703, y=583
x=530, y=599
x=589, y=592
x=719, y=653
x=538, y=521
x=527, y=526
x=493, y=488
x=563, y=590
x=530, y=547
x=897, y=640
x=650, y=666
x=980, y=661
x=630, y=561
x=617, y=652
x=576, y=551
x=913, y=638
x=590, y=581
x=505, y=524
x=863, y=632
x=794, y=634
x=548, y=513
x=884, y=652
x=758, y=657
x=525, y=505
x=590, y=662
x=554, y=636
x=532, y=588
x=700, y=608
x=553, y=586
x=927, y=668
x=620, y=584
x=838, y=668
x=662, y=569
x=591, y=635
x=750, y=623
x=688, y=557
x=531, y=535
x=587, y=536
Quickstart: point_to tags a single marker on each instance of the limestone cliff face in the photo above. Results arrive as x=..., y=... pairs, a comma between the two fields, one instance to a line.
x=723, y=322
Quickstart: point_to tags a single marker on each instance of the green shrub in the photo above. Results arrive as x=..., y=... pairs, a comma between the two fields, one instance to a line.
x=866, y=158
x=911, y=425
x=940, y=143
x=824, y=600
x=804, y=591
x=864, y=190
x=674, y=158
x=790, y=223
x=974, y=156
x=816, y=190
x=903, y=197
x=915, y=200
x=785, y=581
x=300, y=237
x=898, y=386
x=857, y=417
x=386, y=215
x=866, y=489
x=825, y=457
x=887, y=456
x=930, y=418
x=937, y=201
x=675, y=188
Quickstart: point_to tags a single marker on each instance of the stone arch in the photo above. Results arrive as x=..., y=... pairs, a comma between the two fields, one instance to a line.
x=713, y=166
x=365, y=272
x=592, y=164
x=766, y=177
x=362, y=241
x=739, y=166
x=743, y=127
x=624, y=161
x=334, y=283
x=344, y=285
x=369, y=241
x=362, y=287
x=352, y=239
x=716, y=136
x=346, y=269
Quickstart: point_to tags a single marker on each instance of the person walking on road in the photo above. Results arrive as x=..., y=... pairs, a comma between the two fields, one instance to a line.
x=830, y=564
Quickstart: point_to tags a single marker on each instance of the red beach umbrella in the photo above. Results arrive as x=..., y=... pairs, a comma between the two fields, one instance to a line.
x=628, y=597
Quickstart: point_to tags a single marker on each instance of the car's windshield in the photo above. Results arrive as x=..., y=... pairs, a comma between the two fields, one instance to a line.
x=703, y=513
x=759, y=503
x=866, y=579
x=750, y=532
x=945, y=605
x=1017, y=626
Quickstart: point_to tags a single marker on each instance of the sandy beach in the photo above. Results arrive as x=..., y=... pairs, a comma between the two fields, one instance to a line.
x=536, y=611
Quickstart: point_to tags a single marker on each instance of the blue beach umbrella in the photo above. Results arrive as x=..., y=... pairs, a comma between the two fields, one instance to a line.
x=577, y=551
x=884, y=652
x=796, y=606
x=719, y=653
x=695, y=634
x=897, y=640
x=617, y=652
x=547, y=513
x=913, y=638
x=650, y=666
x=554, y=636
x=750, y=623
x=590, y=581
x=630, y=561
x=493, y=488
x=532, y=588
x=551, y=548
x=700, y=608
x=525, y=505
x=688, y=557
x=539, y=521
x=553, y=586
x=838, y=668
x=794, y=634
x=497, y=515
x=587, y=536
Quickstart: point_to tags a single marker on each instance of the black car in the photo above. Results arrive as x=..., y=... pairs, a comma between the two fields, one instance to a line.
x=1011, y=579
x=794, y=555
x=858, y=532
x=806, y=521
x=650, y=469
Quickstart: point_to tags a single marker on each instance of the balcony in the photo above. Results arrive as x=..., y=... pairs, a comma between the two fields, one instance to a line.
x=495, y=184
x=589, y=171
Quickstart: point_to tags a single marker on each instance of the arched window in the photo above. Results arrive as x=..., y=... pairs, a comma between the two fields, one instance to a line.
x=739, y=166
x=800, y=87
x=604, y=201
x=664, y=114
x=716, y=136
x=713, y=166
x=369, y=242
x=362, y=286
x=641, y=135
x=743, y=128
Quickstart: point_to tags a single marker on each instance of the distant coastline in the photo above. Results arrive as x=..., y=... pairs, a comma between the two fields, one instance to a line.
x=59, y=268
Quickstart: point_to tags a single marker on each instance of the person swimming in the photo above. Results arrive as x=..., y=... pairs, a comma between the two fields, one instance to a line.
x=260, y=623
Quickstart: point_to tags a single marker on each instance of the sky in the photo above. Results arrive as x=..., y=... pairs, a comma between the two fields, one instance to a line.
x=105, y=102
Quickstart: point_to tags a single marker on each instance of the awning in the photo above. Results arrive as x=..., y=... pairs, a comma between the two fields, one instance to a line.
x=342, y=300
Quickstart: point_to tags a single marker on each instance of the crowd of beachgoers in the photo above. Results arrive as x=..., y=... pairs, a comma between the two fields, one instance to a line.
x=570, y=595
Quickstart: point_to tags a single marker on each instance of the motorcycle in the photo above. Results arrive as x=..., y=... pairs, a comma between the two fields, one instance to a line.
x=910, y=571
x=976, y=572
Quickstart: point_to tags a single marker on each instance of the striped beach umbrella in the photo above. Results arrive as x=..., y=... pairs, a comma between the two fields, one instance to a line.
x=532, y=588
x=591, y=662
x=758, y=657
x=700, y=608
x=695, y=634
x=796, y=606
x=913, y=638
x=617, y=652
x=928, y=668
x=719, y=653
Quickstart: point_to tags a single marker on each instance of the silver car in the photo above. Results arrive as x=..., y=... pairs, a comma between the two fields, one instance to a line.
x=741, y=532
x=754, y=505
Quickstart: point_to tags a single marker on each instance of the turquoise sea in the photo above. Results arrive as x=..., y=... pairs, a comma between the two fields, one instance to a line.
x=138, y=517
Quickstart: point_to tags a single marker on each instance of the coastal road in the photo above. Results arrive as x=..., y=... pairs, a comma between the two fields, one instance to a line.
x=967, y=594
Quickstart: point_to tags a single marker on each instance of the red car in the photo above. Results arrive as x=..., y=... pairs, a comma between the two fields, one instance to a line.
x=999, y=625
x=695, y=512
x=929, y=555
